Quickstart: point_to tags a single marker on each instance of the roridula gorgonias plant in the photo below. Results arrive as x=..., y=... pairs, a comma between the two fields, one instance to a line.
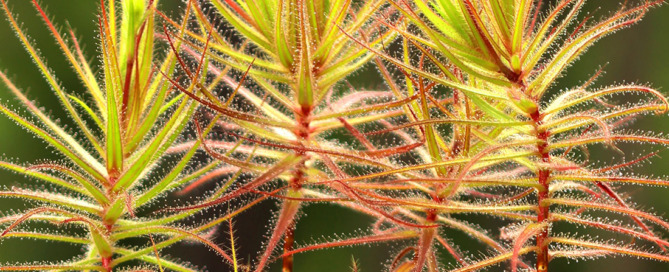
x=113, y=160
x=262, y=98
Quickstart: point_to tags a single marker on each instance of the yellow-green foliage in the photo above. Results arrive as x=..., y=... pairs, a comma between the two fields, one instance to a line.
x=461, y=127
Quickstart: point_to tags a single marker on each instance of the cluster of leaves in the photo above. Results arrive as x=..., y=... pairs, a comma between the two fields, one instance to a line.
x=463, y=128
x=114, y=159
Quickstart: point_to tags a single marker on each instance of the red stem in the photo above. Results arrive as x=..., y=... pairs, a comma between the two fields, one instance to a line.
x=303, y=132
x=544, y=210
x=106, y=264
x=289, y=240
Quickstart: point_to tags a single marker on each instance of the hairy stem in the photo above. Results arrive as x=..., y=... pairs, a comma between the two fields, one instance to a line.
x=288, y=243
x=302, y=132
x=543, y=176
x=425, y=242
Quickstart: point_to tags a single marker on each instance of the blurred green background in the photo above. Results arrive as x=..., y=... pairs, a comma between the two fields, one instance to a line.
x=639, y=54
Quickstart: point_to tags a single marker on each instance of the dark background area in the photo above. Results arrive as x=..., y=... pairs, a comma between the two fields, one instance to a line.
x=638, y=54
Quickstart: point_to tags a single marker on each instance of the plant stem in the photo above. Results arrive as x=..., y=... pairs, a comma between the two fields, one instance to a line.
x=289, y=240
x=302, y=132
x=425, y=242
x=106, y=259
x=106, y=264
x=543, y=176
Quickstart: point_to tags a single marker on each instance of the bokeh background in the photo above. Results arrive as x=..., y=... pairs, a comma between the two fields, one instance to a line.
x=638, y=54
